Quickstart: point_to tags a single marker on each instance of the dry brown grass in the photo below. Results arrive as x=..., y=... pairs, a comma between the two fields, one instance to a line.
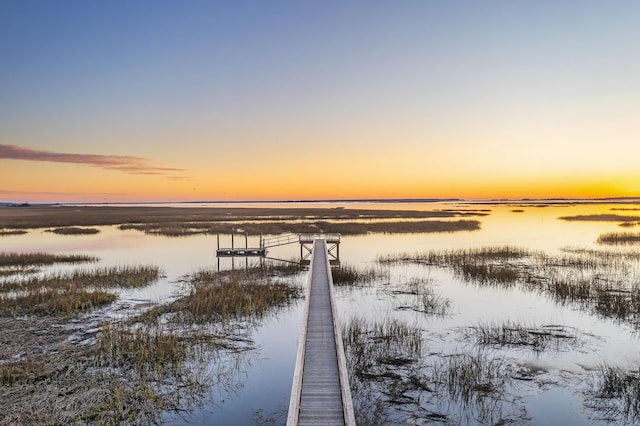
x=134, y=373
x=601, y=282
x=61, y=216
x=281, y=227
x=601, y=218
x=613, y=238
x=54, y=301
x=349, y=275
x=224, y=296
x=8, y=259
x=71, y=292
x=74, y=230
x=9, y=232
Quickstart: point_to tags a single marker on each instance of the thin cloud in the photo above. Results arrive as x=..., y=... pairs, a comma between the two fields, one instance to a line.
x=121, y=163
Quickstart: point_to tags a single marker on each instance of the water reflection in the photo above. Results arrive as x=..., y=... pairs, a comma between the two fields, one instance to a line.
x=266, y=378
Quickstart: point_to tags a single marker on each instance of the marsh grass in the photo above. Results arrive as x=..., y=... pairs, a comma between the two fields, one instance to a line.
x=513, y=334
x=64, y=216
x=8, y=272
x=372, y=346
x=23, y=371
x=347, y=275
x=127, y=376
x=8, y=259
x=467, y=377
x=225, y=296
x=472, y=256
x=109, y=277
x=425, y=299
x=304, y=226
x=9, y=232
x=44, y=302
x=72, y=292
x=597, y=281
x=629, y=224
x=74, y=230
x=617, y=393
x=612, y=238
x=607, y=217
x=135, y=372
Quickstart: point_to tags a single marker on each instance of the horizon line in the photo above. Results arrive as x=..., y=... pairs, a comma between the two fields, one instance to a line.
x=338, y=200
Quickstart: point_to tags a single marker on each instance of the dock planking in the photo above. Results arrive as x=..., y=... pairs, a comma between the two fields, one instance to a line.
x=320, y=394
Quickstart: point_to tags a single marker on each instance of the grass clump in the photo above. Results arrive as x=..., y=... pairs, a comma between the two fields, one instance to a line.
x=44, y=302
x=372, y=346
x=465, y=377
x=225, y=296
x=486, y=265
x=71, y=292
x=9, y=232
x=425, y=299
x=598, y=281
x=606, y=217
x=612, y=238
x=518, y=335
x=74, y=230
x=110, y=277
x=40, y=258
x=617, y=393
x=345, y=275
x=24, y=371
x=629, y=224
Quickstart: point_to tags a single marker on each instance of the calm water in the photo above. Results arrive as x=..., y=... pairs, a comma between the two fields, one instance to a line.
x=263, y=380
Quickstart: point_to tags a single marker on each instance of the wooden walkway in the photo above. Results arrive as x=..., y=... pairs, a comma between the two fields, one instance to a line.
x=320, y=394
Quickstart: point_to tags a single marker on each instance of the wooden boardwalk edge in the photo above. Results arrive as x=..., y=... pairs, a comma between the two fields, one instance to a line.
x=296, y=387
x=293, y=415
x=347, y=401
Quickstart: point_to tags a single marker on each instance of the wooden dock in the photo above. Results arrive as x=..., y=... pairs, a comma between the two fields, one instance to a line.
x=320, y=394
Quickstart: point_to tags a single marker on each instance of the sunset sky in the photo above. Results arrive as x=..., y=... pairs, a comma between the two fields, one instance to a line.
x=272, y=100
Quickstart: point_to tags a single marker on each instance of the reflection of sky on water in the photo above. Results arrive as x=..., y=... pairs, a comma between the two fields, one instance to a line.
x=267, y=382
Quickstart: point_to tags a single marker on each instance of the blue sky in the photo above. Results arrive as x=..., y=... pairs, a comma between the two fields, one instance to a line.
x=207, y=86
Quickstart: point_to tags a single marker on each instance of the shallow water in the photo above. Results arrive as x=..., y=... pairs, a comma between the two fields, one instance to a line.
x=555, y=396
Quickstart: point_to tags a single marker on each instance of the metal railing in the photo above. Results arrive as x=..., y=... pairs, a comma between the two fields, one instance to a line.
x=330, y=238
x=280, y=240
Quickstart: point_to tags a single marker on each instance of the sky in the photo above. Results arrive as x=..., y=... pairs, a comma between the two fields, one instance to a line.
x=121, y=100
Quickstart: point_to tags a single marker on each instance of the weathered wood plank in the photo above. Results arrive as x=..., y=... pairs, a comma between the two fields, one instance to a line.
x=320, y=382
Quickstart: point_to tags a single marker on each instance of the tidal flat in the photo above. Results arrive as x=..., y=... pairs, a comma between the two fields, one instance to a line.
x=524, y=317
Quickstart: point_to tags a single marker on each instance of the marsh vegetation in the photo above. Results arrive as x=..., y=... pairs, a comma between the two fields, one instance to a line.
x=71, y=292
x=9, y=232
x=11, y=259
x=164, y=360
x=74, y=230
x=613, y=238
x=445, y=328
